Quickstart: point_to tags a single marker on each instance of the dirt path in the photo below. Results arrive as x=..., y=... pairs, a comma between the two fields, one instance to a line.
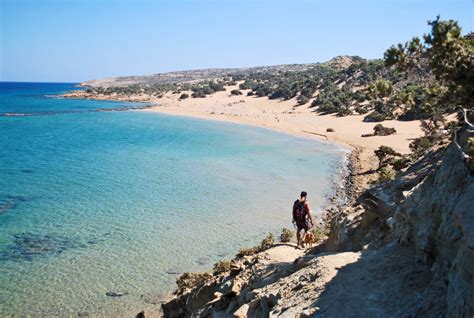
x=379, y=283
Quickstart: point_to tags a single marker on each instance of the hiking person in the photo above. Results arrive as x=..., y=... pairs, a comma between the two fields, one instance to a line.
x=302, y=218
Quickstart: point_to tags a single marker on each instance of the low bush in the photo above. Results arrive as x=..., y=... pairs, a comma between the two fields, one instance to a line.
x=301, y=99
x=420, y=145
x=247, y=251
x=385, y=155
x=208, y=90
x=380, y=130
x=328, y=108
x=361, y=110
x=267, y=242
x=235, y=92
x=222, y=266
x=470, y=152
x=319, y=234
x=286, y=235
x=374, y=116
x=199, y=94
x=400, y=163
x=344, y=111
x=184, y=96
x=386, y=174
x=190, y=280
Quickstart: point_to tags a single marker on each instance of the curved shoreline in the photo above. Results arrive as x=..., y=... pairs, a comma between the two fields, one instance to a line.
x=281, y=116
x=348, y=178
x=344, y=179
x=285, y=117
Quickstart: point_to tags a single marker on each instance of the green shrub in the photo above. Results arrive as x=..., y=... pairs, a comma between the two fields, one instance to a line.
x=235, y=92
x=383, y=151
x=319, y=233
x=344, y=111
x=380, y=130
x=217, y=86
x=379, y=89
x=470, y=152
x=286, y=235
x=328, y=108
x=268, y=241
x=283, y=92
x=451, y=125
x=191, y=280
x=361, y=110
x=420, y=145
x=359, y=96
x=208, y=90
x=184, y=96
x=302, y=100
x=222, y=266
x=374, y=116
x=386, y=174
x=247, y=84
x=385, y=155
x=198, y=94
x=400, y=163
x=247, y=251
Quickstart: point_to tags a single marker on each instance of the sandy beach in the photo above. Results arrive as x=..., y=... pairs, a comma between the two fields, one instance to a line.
x=287, y=116
x=281, y=115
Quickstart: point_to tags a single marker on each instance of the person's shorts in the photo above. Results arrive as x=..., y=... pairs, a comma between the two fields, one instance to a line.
x=301, y=226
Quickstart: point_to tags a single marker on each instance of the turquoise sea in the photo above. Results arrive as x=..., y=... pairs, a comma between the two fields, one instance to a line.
x=94, y=201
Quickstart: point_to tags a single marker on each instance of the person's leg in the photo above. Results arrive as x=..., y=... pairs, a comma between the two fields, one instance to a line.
x=298, y=236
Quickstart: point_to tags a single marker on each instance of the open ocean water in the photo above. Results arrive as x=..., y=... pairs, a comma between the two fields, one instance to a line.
x=124, y=201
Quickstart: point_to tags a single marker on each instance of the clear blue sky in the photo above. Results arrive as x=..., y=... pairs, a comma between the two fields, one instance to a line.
x=76, y=40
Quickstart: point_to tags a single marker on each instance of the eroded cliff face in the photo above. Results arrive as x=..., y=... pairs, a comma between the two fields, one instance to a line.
x=437, y=218
x=430, y=208
x=403, y=248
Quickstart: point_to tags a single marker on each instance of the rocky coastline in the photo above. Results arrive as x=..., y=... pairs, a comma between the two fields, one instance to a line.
x=398, y=248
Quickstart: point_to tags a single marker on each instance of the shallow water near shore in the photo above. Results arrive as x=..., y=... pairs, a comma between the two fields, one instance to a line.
x=124, y=201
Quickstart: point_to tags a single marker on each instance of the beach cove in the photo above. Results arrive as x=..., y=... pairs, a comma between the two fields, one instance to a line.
x=100, y=204
x=279, y=115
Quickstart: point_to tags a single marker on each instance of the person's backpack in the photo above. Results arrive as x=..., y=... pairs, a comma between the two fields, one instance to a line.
x=299, y=212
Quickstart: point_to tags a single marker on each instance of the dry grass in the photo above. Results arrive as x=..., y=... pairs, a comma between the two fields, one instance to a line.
x=222, y=266
x=190, y=280
x=247, y=251
x=267, y=242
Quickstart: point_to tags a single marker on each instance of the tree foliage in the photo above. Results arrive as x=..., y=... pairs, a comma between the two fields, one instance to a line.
x=450, y=57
